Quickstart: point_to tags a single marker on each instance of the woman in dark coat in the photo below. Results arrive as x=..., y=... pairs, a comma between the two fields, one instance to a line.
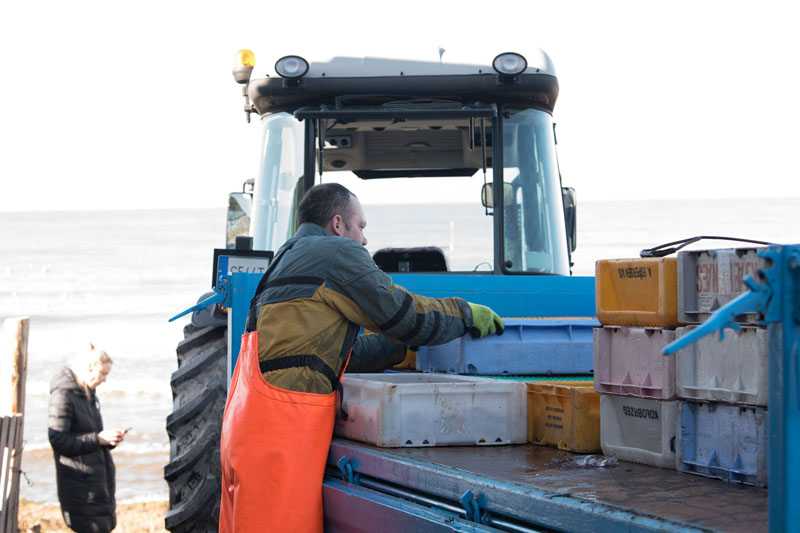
x=85, y=472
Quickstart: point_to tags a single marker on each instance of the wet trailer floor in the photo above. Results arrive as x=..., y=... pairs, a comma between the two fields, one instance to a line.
x=696, y=500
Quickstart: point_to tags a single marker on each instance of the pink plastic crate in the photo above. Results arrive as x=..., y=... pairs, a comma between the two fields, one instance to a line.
x=628, y=361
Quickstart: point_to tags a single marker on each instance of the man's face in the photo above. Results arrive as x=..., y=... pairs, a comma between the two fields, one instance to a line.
x=355, y=222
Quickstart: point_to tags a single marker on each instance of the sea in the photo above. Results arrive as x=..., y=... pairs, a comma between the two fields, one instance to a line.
x=114, y=278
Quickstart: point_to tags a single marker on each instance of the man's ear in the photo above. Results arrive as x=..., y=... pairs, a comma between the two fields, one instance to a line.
x=337, y=225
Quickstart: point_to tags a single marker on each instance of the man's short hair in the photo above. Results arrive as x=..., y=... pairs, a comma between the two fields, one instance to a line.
x=322, y=202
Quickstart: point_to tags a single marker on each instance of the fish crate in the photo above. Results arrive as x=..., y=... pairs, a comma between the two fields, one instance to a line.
x=733, y=370
x=637, y=292
x=638, y=430
x=401, y=409
x=723, y=441
x=708, y=279
x=564, y=414
x=528, y=346
x=629, y=361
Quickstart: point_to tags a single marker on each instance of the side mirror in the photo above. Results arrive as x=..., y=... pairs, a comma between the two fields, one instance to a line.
x=487, y=199
x=570, y=216
x=239, y=206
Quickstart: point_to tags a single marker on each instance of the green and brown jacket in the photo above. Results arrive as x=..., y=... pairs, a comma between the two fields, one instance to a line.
x=319, y=292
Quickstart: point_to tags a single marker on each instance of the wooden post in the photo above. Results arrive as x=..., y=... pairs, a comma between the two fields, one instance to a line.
x=15, y=337
x=16, y=331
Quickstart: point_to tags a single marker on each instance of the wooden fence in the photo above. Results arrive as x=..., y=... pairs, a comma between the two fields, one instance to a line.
x=13, y=370
x=11, y=450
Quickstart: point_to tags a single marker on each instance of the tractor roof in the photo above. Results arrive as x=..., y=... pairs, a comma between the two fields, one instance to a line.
x=373, y=81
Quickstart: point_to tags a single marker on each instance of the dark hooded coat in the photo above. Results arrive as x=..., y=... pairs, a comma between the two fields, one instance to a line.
x=85, y=471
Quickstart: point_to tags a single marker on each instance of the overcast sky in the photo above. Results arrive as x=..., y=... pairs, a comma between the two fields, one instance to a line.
x=132, y=105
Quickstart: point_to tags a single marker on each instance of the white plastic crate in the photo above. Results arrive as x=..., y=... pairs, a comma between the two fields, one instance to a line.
x=723, y=441
x=734, y=370
x=413, y=410
x=629, y=361
x=638, y=430
x=708, y=279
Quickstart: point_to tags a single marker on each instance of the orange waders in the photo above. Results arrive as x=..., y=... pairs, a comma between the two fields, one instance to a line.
x=273, y=452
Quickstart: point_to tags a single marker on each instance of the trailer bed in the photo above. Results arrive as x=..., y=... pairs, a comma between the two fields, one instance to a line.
x=538, y=487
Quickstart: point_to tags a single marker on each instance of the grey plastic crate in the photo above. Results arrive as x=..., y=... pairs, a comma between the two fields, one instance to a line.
x=733, y=370
x=708, y=279
x=638, y=430
x=723, y=441
x=401, y=409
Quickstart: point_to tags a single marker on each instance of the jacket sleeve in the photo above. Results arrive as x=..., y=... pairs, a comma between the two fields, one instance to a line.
x=375, y=353
x=366, y=295
x=59, y=430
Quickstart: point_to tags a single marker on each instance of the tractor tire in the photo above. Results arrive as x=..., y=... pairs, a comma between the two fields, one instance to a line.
x=199, y=391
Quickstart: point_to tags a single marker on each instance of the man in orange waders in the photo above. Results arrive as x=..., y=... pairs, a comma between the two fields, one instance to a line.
x=302, y=330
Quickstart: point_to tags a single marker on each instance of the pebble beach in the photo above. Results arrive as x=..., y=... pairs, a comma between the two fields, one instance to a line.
x=143, y=517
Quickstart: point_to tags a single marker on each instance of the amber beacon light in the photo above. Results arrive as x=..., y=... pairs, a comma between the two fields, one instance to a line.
x=243, y=65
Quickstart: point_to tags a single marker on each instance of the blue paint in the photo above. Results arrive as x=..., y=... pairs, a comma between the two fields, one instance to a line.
x=510, y=296
x=527, y=347
x=243, y=289
x=219, y=297
x=784, y=387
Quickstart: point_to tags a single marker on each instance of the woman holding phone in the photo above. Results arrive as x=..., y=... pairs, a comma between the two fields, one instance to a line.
x=85, y=472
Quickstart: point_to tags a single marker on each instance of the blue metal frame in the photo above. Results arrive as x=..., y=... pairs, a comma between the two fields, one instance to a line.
x=243, y=288
x=350, y=507
x=777, y=299
x=784, y=391
x=509, y=296
x=497, y=500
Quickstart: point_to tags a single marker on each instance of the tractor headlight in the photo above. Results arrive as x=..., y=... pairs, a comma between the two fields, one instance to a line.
x=509, y=64
x=291, y=66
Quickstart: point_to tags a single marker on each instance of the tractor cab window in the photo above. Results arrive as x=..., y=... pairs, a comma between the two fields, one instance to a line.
x=420, y=179
x=276, y=184
x=533, y=217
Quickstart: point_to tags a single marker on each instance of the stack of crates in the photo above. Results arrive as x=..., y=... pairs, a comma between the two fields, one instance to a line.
x=722, y=385
x=637, y=306
x=703, y=410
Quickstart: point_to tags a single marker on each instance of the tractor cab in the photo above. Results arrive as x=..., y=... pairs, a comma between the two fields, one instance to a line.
x=455, y=164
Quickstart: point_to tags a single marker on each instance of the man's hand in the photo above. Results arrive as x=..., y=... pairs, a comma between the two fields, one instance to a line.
x=485, y=321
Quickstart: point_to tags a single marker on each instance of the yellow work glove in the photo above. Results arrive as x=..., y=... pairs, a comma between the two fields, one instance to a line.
x=485, y=321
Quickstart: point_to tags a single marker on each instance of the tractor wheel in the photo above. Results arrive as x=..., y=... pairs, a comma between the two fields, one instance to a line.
x=199, y=390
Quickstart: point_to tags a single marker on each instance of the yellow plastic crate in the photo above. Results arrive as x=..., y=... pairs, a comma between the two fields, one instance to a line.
x=637, y=292
x=564, y=414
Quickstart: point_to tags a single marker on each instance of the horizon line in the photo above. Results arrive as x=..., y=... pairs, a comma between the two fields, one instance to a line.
x=383, y=204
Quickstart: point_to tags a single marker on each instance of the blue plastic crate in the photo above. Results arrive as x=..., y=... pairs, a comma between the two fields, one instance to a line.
x=723, y=441
x=528, y=346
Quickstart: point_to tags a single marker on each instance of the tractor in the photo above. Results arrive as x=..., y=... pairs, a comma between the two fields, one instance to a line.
x=460, y=162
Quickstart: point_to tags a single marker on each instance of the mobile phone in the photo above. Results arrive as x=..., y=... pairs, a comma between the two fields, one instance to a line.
x=126, y=430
